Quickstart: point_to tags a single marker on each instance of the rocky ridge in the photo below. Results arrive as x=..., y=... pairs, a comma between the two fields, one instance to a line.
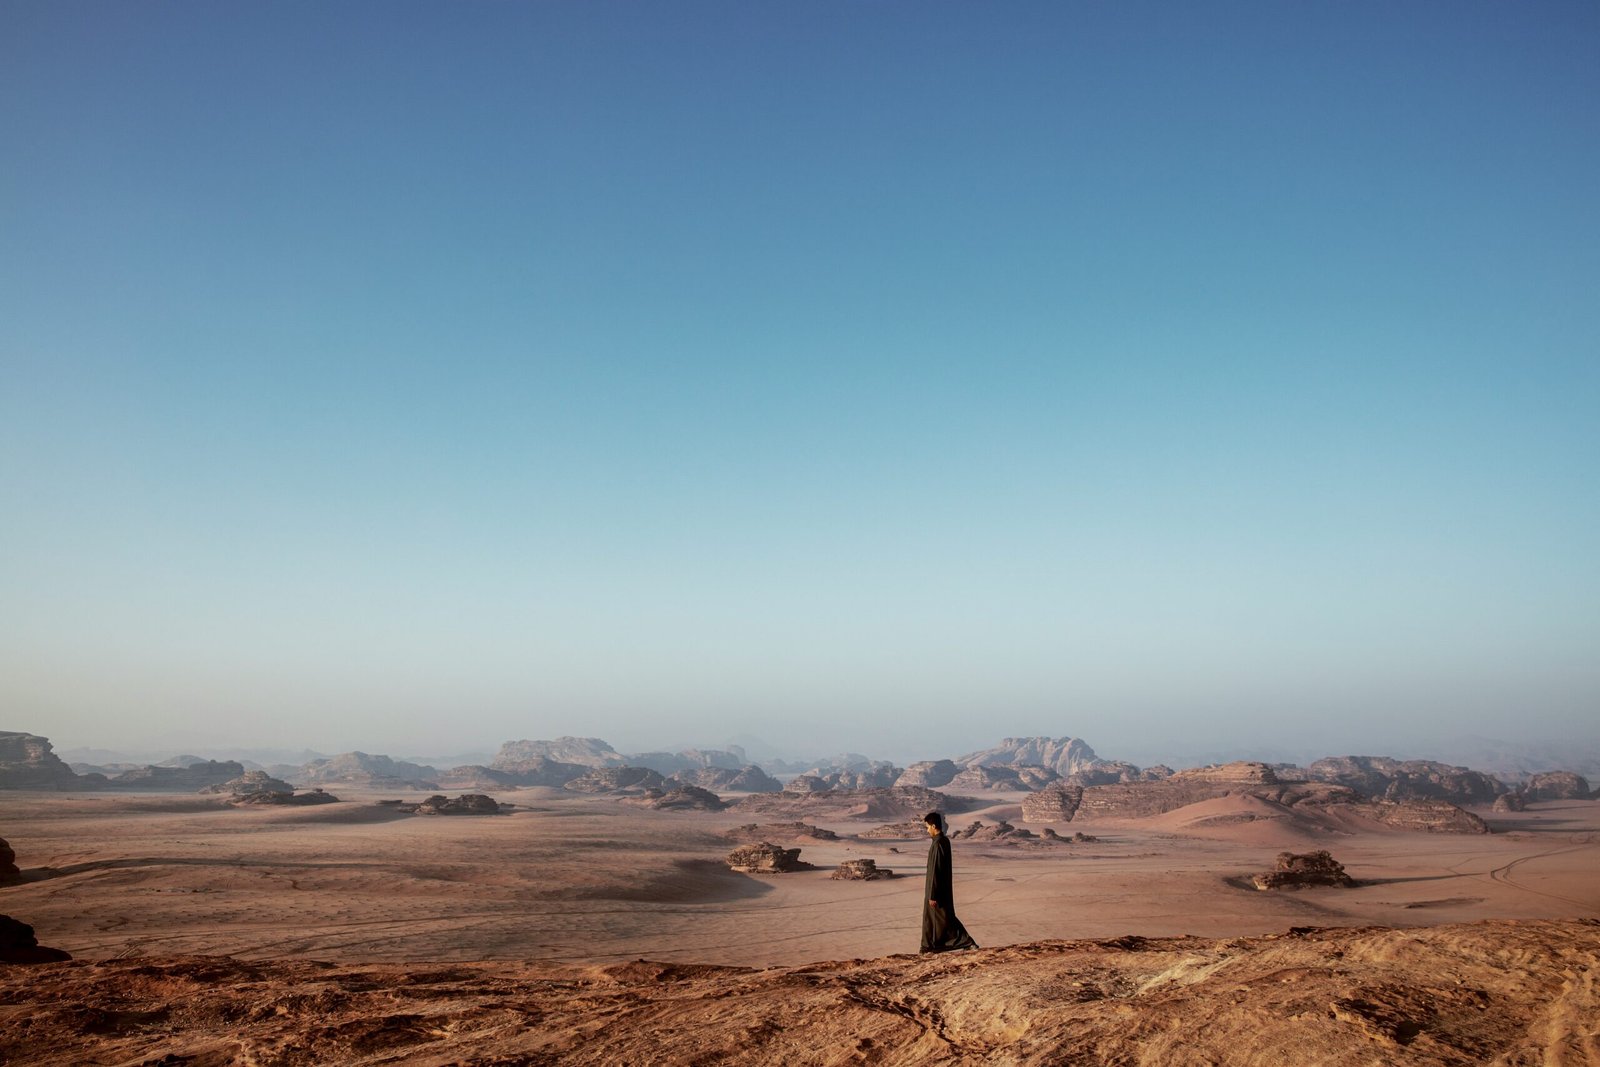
x=1516, y=993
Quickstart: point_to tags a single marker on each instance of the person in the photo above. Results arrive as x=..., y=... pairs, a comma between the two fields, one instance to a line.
x=941, y=930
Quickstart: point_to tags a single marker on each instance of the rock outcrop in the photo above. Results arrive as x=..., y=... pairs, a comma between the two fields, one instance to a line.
x=617, y=780
x=534, y=771
x=465, y=804
x=288, y=800
x=27, y=761
x=19, y=945
x=806, y=783
x=996, y=831
x=906, y=830
x=197, y=777
x=1557, y=785
x=1427, y=816
x=862, y=870
x=1506, y=802
x=1056, y=804
x=10, y=873
x=1296, y=869
x=587, y=751
x=747, y=779
x=901, y=802
x=764, y=857
x=375, y=772
x=753, y=832
x=1064, y=755
x=1014, y=779
x=680, y=798
x=1477, y=993
x=251, y=782
x=672, y=764
x=930, y=774
x=1391, y=779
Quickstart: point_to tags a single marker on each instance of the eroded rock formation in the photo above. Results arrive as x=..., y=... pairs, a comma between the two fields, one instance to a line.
x=19, y=945
x=465, y=804
x=753, y=832
x=10, y=873
x=1296, y=869
x=27, y=761
x=862, y=870
x=617, y=780
x=372, y=771
x=1391, y=779
x=1056, y=804
x=930, y=774
x=1064, y=755
x=586, y=751
x=764, y=857
x=747, y=779
x=251, y=782
x=1557, y=785
x=197, y=777
x=679, y=798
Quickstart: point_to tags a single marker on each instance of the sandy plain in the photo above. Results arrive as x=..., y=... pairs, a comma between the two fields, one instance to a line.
x=354, y=934
x=565, y=878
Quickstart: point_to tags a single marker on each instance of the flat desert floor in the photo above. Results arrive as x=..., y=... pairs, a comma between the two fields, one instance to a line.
x=354, y=934
x=577, y=879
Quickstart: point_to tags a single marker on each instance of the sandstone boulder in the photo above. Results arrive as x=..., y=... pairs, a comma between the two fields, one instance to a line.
x=19, y=945
x=806, y=783
x=1294, y=870
x=1511, y=802
x=1557, y=785
x=764, y=857
x=862, y=870
x=1056, y=804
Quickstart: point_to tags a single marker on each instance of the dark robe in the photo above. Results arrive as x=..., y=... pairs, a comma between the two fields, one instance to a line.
x=941, y=930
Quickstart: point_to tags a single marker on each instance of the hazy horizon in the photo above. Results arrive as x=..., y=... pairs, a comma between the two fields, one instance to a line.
x=379, y=375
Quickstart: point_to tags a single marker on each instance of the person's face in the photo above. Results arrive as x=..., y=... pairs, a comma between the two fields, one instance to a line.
x=933, y=829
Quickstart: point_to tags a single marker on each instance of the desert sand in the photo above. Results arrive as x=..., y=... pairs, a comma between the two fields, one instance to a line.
x=546, y=908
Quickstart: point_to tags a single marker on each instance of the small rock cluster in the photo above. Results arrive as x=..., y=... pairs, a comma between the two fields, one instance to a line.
x=1296, y=869
x=465, y=804
x=764, y=857
x=862, y=870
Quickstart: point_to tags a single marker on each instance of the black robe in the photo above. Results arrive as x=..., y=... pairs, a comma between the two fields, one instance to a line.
x=941, y=930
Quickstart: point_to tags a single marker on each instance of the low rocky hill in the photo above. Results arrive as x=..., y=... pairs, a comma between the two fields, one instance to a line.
x=362, y=769
x=1380, y=776
x=1491, y=992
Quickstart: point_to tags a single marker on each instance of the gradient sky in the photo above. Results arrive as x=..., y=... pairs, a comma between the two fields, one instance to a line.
x=882, y=376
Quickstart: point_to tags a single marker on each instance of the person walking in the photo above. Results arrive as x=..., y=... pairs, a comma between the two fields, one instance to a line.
x=941, y=930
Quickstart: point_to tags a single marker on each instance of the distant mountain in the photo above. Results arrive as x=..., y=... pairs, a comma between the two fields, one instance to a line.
x=585, y=751
x=1064, y=755
x=359, y=768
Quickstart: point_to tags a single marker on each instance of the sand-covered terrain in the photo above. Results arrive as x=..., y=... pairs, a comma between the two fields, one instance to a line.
x=357, y=933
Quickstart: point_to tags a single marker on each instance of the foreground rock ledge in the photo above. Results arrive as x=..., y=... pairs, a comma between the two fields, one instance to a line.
x=1500, y=992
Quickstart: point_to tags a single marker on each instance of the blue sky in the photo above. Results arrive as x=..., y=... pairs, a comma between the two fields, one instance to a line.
x=878, y=376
